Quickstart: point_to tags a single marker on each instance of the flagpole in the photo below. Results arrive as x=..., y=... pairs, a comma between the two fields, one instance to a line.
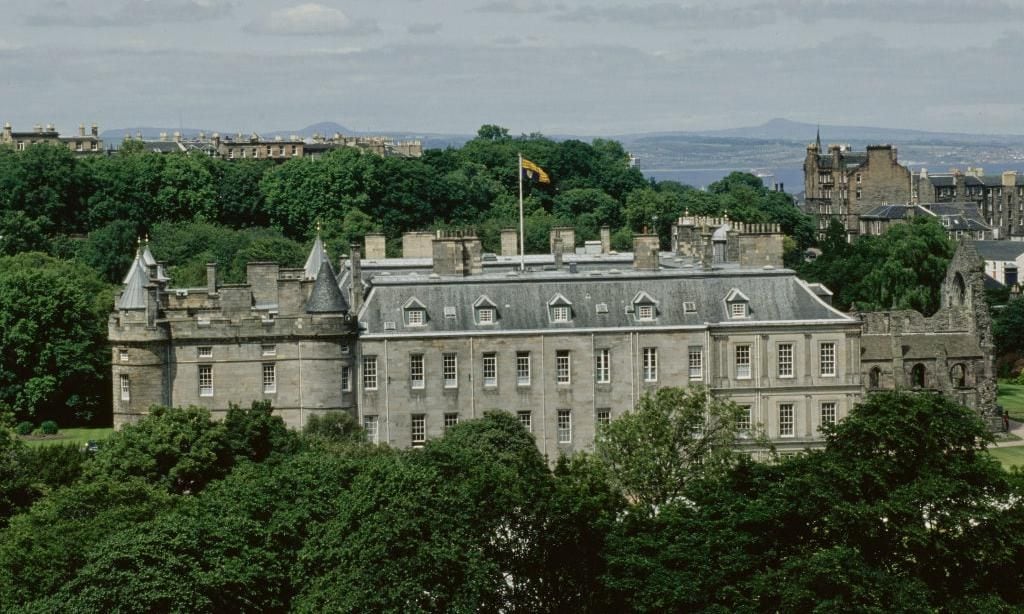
x=522, y=243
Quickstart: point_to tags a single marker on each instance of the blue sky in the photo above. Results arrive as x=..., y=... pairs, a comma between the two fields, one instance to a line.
x=586, y=67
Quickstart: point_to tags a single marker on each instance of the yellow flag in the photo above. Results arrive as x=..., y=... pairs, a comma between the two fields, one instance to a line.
x=532, y=170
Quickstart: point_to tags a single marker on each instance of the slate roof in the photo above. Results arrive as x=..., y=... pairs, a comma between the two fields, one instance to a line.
x=133, y=296
x=148, y=260
x=523, y=300
x=892, y=212
x=999, y=250
x=326, y=297
x=317, y=256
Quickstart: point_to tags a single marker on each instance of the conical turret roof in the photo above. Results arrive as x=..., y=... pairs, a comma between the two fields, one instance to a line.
x=326, y=297
x=317, y=257
x=133, y=296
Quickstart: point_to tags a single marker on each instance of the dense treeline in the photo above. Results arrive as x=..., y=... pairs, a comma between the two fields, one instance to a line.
x=902, y=511
x=47, y=193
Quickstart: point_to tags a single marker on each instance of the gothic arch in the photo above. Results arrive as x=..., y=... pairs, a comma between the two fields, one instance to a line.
x=918, y=376
x=958, y=375
x=959, y=290
x=875, y=378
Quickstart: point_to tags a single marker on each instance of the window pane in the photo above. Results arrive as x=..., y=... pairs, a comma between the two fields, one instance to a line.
x=416, y=377
x=565, y=426
x=490, y=369
x=419, y=429
x=696, y=360
x=828, y=358
x=562, y=367
x=786, y=420
x=743, y=361
x=450, y=366
x=785, y=355
x=602, y=366
x=523, y=368
x=370, y=372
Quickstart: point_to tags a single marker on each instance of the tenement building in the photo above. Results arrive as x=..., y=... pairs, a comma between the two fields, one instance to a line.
x=841, y=184
x=999, y=197
x=565, y=341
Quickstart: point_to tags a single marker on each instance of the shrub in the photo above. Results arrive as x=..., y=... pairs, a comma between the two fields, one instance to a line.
x=335, y=426
x=24, y=428
x=48, y=427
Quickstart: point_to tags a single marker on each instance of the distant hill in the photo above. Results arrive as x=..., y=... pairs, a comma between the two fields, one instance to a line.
x=779, y=129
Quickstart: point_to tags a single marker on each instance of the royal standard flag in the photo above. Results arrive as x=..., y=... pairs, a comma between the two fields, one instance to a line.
x=532, y=170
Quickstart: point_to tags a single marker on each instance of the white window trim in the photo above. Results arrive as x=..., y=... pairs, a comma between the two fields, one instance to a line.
x=792, y=360
x=566, y=431
x=269, y=385
x=492, y=381
x=567, y=355
x=792, y=420
x=205, y=391
x=453, y=382
x=520, y=380
x=126, y=387
x=695, y=373
x=421, y=382
x=749, y=364
x=420, y=438
x=603, y=366
x=649, y=364
x=370, y=360
x=834, y=361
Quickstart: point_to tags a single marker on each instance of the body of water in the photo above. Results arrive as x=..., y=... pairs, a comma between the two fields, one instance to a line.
x=791, y=178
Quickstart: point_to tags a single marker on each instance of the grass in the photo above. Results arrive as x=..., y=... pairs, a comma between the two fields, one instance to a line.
x=1011, y=396
x=1009, y=457
x=79, y=436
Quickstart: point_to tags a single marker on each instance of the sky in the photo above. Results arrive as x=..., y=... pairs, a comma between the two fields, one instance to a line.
x=586, y=67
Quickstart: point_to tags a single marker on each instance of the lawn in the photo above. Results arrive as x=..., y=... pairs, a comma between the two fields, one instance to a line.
x=79, y=436
x=1008, y=456
x=1011, y=396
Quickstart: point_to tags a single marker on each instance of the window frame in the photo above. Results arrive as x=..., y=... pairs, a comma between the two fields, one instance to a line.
x=269, y=383
x=828, y=409
x=346, y=378
x=645, y=312
x=204, y=351
x=781, y=352
x=268, y=349
x=602, y=416
x=122, y=355
x=787, y=420
x=746, y=421
x=417, y=372
x=603, y=366
x=205, y=372
x=450, y=369
x=695, y=369
x=415, y=317
x=823, y=347
x=417, y=430
x=563, y=426
x=489, y=369
x=371, y=425
x=526, y=419
x=370, y=376
x=489, y=320
x=561, y=314
x=649, y=362
x=523, y=376
x=744, y=350
x=451, y=419
x=563, y=367
x=126, y=387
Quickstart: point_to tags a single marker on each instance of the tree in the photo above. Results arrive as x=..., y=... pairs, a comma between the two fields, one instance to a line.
x=492, y=132
x=180, y=449
x=669, y=438
x=53, y=349
x=335, y=426
x=902, y=269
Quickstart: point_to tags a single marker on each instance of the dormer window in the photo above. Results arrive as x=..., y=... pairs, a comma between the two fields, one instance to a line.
x=560, y=309
x=486, y=311
x=415, y=313
x=645, y=307
x=737, y=305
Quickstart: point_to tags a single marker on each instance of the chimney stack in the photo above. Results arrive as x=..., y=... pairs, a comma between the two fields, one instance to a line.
x=646, y=249
x=375, y=246
x=95, y=129
x=81, y=129
x=556, y=251
x=356, y=286
x=606, y=240
x=211, y=278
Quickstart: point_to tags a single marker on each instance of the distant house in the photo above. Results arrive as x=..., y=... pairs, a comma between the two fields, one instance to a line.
x=843, y=185
x=998, y=197
x=961, y=220
x=82, y=143
x=1003, y=260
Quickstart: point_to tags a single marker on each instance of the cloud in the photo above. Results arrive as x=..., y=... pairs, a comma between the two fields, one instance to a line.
x=517, y=7
x=91, y=14
x=424, y=28
x=698, y=15
x=310, y=19
x=704, y=14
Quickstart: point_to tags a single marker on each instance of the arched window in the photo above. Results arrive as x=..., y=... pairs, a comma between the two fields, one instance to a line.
x=917, y=376
x=958, y=376
x=959, y=290
x=874, y=378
